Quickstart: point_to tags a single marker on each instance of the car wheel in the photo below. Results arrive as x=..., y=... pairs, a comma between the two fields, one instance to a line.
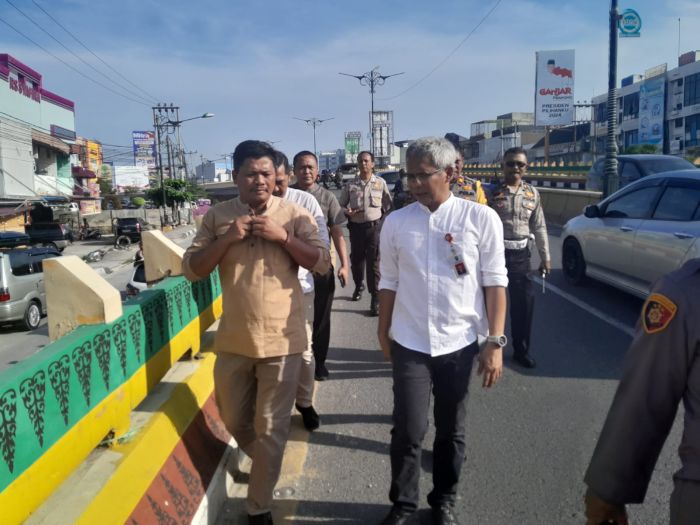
x=51, y=245
x=573, y=263
x=122, y=242
x=32, y=316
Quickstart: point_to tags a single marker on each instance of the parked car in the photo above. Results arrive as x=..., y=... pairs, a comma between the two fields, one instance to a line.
x=50, y=234
x=633, y=167
x=347, y=171
x=137, y=283
x=130, y=227
x=390, y=177
x=637, y=234
x=22, y=297
x=13, y=239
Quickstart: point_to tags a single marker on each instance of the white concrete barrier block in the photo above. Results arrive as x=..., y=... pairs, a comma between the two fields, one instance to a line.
x=76, y=295
x=162, y=256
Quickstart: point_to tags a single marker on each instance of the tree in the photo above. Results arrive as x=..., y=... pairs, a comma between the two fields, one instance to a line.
x=641, y=148
x=176, y=192
x=138, y=201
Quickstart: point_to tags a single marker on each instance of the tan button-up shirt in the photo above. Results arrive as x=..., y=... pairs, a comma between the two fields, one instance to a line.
x=371, y=198
x=521, y=213
x=263, y=314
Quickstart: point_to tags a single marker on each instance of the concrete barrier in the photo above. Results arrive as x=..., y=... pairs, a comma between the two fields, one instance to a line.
x=560, y=205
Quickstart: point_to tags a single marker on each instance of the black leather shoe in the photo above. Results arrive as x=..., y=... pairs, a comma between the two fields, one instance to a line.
x=444, y=515
x=310, y=417
x=374, y=306
x=357, y=294
x=396, y=516
x=321, y=373
x=525, y=360
x=260, y=519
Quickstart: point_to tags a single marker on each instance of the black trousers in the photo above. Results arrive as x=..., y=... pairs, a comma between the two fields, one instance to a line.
x=324, y=289
x=364, y=252
x=522, y=299
x=415, y=375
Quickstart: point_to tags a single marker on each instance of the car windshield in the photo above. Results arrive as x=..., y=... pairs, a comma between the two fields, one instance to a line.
x=390, y=176
x=666, y=164
x=128, y=220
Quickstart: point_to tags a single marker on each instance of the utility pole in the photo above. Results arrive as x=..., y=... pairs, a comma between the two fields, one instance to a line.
x=313, y=122
x=611, y=177
x=372, y=79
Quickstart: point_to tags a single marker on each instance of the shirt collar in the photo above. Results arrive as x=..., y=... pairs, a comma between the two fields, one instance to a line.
x=443, y=208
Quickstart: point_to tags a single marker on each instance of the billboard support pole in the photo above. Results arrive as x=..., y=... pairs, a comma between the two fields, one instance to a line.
x=611, y=177
x=546, y=145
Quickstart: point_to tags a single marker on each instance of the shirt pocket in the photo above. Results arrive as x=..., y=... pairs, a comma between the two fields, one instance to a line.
x=527, y=208
x=375, y=198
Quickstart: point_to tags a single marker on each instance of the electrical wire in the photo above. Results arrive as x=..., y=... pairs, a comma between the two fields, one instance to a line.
x=70, y=66
x=92, y=53
x=25, y=15
x=421, y=80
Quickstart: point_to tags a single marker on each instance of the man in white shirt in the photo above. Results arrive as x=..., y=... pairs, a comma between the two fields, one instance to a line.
x=305, y=391
x=443, y=282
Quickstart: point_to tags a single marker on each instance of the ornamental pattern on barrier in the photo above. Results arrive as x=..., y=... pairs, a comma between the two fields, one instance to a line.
x=161, y=314
x=135, y=330
x=8, y=426
x=119, y=339
x=183, y=506
x=148, y=322
x=192, y=482
x=33, y=393
x=59, y=377
x=101, y=345
x=187, y=289
x=162, y=516
x=179, y=294
x=82, y=362
x=170, y=302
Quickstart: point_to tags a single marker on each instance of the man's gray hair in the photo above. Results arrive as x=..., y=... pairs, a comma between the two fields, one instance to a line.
x=436, y=150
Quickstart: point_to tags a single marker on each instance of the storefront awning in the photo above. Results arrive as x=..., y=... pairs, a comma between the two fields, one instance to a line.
x=51, y=142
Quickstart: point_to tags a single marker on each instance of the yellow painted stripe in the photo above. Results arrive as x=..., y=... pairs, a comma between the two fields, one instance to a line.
x=28, y=491
x=145, y=457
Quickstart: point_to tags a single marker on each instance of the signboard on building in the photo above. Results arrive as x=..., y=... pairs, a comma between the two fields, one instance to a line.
x=352, y=145
x=130, y=177
x=652, y=96
x=144, y=143
x=382, y=126
x=629, y=23
x=554, y=88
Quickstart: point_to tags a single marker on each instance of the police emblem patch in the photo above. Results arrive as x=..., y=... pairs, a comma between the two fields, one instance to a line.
x=657, y=313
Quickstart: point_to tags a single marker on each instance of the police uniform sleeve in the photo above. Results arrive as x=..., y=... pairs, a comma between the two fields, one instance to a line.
x=344, y=198
x=387, y=202
x=653, y=382
x=539, y=228
x=335, y=212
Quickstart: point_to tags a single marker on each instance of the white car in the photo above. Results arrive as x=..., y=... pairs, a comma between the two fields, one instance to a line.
x=639, y=233
x=137, y=283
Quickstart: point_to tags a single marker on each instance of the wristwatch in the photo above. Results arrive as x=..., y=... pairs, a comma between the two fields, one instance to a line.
x=500, y=340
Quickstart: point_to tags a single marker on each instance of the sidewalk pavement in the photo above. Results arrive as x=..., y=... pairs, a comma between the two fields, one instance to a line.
x=113, y=257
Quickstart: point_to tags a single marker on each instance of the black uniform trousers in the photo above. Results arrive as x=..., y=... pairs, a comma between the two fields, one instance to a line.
x=415, y=374
x=324, y=289
x=522, y=299
x=364, y=252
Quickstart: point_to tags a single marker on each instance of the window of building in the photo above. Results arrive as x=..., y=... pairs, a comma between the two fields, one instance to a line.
x=630, y=105
x=631, y=137
x=680, y=82
x=601, y=112
x=691, y=93
x=679, y=122
x=692, y=130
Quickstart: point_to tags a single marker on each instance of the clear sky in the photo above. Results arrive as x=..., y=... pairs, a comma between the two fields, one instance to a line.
x=256, y=65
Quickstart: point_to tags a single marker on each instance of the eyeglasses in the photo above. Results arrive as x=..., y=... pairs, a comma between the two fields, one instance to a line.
x=516, y=164
x=423, y=177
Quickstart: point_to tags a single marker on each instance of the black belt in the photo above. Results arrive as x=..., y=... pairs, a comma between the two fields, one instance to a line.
x=366, y=224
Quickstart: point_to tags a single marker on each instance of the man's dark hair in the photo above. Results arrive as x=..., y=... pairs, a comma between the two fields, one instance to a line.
x=453, y=138
x=517, y=150
x=252, y=149
x=304, y=153
x=281, y=160
x=371, y=155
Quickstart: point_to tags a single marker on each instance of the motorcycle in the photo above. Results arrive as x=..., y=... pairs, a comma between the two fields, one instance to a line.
x=89, y=233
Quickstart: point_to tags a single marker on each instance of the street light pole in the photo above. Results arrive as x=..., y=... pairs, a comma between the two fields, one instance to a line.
x=611, y=178
x=372, y=79
x=313, y=122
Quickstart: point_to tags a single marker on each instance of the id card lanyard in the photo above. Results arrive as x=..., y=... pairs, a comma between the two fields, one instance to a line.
x=455, y=257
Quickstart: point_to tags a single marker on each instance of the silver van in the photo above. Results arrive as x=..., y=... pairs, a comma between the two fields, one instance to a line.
x=22, y=297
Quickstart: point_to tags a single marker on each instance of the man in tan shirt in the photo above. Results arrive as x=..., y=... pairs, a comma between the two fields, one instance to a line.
x=258, y=241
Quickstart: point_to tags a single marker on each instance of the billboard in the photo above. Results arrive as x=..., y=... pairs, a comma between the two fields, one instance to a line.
x=352, y=145
x=652, y=95
x=130, y=176
x=144, y=143
x=554, y=88
x=382, y=125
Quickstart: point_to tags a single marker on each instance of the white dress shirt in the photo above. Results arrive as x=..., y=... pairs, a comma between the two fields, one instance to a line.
x=308, y=201
x=437, y=312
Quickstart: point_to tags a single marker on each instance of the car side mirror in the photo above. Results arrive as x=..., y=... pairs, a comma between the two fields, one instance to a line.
x=591, y=211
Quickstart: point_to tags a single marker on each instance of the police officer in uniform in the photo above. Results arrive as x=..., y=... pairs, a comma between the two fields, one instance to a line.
x=518, y=205
x=662, y=367
x=365, y=199
x=461, y=185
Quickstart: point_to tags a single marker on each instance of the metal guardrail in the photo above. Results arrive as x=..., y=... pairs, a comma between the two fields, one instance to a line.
x=552, y=175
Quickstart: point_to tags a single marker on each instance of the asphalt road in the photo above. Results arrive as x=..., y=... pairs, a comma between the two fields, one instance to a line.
x=529, y=439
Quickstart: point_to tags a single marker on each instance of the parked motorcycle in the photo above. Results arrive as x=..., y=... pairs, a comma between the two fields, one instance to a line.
x=89, y=233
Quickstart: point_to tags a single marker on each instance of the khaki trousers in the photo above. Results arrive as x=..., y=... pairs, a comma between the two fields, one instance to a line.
x=255, y=398
x=305, y=392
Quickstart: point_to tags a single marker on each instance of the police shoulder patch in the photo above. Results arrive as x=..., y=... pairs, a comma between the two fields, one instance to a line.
x=657, y=313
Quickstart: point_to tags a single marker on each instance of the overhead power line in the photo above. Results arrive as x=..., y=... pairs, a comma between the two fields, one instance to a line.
x=81, y=59
x=421, y=80
x=70, y=66
x=93, y=53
